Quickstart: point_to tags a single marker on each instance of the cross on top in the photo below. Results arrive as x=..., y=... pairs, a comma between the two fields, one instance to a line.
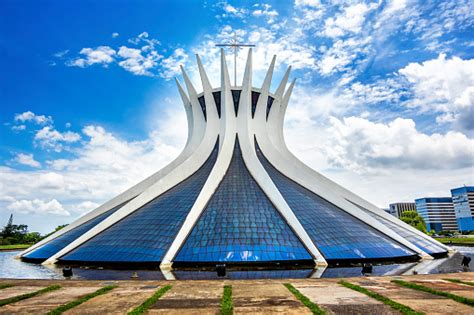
x=235, y=46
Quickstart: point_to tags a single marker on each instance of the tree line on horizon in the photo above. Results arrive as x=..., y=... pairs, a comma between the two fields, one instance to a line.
x=16, y=234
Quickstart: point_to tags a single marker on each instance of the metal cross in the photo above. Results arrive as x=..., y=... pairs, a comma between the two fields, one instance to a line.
x=235, y=45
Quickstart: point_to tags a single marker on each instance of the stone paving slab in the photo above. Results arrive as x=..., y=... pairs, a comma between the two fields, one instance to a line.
x=337, y=299
x=18, y=290
x=417, y=300
x=120, y=300
x=265, y=298
x=44, y=303
x=192, y=297
x=454, y=288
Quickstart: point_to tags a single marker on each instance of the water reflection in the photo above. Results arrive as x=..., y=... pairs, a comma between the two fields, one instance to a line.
x=14, y=268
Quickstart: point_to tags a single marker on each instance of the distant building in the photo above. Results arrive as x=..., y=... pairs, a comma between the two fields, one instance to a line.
x=389, y=211
x=397, y=208
x=438, y=213
x=463, y=201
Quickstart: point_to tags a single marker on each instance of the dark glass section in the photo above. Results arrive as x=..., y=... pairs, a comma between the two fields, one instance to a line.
x=240, y=224
x=255, y=96
x=217, y=100
x=423, y=244
x=145, y=235
x=269, y=105
x=236, y=98
x=202, y=102
x=55, y=245
x=337, y=234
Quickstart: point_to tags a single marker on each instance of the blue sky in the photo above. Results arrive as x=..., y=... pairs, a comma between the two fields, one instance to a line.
x=384, y=102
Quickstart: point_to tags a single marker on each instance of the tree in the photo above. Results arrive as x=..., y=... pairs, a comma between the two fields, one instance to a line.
x=12, y=233
x=414, y=219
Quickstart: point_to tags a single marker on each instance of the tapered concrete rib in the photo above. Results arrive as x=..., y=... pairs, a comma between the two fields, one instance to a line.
x=196, y=125
x=179, y=173
x=323, y=185
x=227, y=136
x=246, y=135
x=188, y=109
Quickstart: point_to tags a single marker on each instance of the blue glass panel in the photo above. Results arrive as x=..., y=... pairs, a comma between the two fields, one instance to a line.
x=55, y=245
x=217, y=100
x=423, y=244
x=146, y=234
x=202, y=102
x=269, y=105
x=337, y=234
x=240, y=224
x=255, y=96
x=236, y=98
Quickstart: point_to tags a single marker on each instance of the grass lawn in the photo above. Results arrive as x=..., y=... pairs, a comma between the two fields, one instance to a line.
x=456, y=240
x=17, y=246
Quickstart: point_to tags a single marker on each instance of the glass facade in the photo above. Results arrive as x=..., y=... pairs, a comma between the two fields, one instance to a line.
x=337, y=234
x=57, y=244
x=146, y=234
x=240, y=224
x=423, y=244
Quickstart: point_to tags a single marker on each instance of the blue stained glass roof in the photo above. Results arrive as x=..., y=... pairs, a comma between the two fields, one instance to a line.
x=55, y=245
x=146, y=234
x=423, y=244
x=337, y=234
x=239, y=224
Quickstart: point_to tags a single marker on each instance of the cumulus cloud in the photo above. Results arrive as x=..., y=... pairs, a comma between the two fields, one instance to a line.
x=29, y=116
x=358, y=144
x=232, y=11
x=115, y=35
x=170, y=65
x=136, y=63
x=103, y=55
x=265, y=10
x=38, y=206
x=445, y=86
x=27, y=159
x=50, y=138
x=348, y=21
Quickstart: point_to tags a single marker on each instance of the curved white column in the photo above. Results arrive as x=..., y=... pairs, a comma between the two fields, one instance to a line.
x=246, y=135
x=275, y=133
x=227, y=130
x=174, y=177
x=196, y=127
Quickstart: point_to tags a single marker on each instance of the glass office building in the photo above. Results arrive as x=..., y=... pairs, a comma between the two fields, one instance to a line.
x=463, y=202
x=235, y=195
x=438, y=213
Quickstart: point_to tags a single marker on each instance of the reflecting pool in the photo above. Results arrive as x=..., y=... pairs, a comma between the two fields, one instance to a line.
x=17, y=269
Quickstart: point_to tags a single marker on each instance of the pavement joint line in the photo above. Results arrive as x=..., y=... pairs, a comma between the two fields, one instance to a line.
x=419, y=287
x=227, y=307
x=385, y=300
x=460, y=281
x=142, y=308
x=313, y=307
x=61, y=309
x=29, y=295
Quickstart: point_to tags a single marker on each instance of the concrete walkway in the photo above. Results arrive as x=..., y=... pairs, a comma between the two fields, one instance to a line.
x=249, y=296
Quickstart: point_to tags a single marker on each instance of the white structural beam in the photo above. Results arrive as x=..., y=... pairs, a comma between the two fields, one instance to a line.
x=227, y=130
x=174, y=177
x=196, y=126
x=246, y=140
x=275, y=133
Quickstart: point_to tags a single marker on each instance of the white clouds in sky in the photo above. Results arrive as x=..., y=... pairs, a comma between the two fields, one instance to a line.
x=29, y=116
x=50, y=138
x=38, y=206
x=27, y=159
x=103, y=55
x=350, y=20
x=445, y=86
x=358, y=144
